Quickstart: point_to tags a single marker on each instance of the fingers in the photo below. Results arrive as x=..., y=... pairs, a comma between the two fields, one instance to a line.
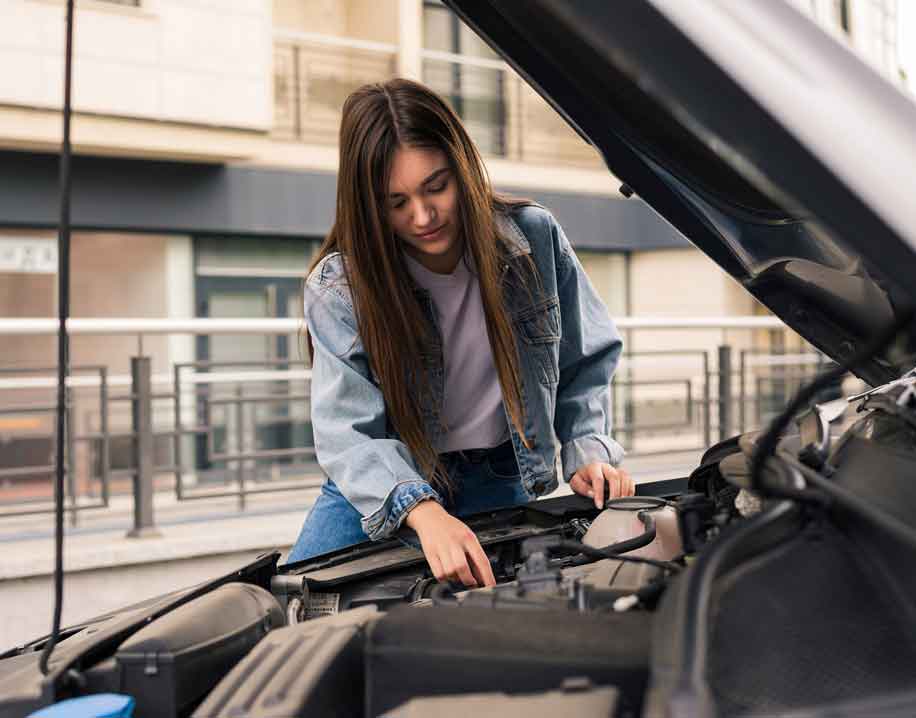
x=483, y=571
x=435, y=565
x=596, y=477
x=629, y=485
x=454, y=553
x=581, y=486
x=460, y=569
x=466, y=565
x=619, y=482
x=589, y=481
x=614, y=481
x=599, y=481
x=452, y=568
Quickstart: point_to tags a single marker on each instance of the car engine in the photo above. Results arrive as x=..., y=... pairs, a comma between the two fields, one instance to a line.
x=712, y=595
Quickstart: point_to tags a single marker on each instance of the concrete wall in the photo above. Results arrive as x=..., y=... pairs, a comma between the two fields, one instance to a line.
x=198, y=61
x=681, y=283
x=23, y=296
x=375, y=20
x=677, y=283
x=118, y=276
x=325, y=17
x=607, y=273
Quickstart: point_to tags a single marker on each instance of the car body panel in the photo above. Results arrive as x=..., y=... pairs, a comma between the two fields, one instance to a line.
x=727, y=118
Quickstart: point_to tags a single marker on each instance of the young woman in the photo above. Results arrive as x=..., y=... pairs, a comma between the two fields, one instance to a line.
x=454, y=338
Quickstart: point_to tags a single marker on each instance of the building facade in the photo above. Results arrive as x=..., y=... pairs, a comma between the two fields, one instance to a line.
x=205, y=136
x=205, y=140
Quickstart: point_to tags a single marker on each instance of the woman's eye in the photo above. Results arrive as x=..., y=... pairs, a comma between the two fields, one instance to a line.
x=398, y=205
x=438, y=188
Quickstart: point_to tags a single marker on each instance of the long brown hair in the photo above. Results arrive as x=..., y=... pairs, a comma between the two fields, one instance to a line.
x=377, y=119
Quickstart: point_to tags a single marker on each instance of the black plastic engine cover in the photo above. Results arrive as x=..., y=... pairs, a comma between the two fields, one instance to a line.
x=173, y=662
x=786, y=613
x=452, y=650
x=310, y=669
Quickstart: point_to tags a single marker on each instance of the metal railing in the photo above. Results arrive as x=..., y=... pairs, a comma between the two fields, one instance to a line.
x=505, y=117
x=224, y=460
x=209, y=430
x=313, y=74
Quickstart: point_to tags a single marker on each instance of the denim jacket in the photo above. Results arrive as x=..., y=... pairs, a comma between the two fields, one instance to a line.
x=568, y=350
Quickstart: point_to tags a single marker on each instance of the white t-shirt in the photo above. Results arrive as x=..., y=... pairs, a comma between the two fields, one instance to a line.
x=473, y=403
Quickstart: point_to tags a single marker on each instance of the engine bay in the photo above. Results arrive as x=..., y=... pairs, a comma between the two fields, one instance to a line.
x=678, y=583
x=532, y=551
x=710, y=594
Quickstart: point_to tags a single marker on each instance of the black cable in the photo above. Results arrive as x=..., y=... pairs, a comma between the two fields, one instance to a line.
x=63, y=348
x=619, y=549
x=631, y=544
x=766, y=445
x=587, y=554
x=848, y=500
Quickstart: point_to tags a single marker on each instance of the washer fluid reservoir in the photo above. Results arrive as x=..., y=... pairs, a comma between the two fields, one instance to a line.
x=620, y=521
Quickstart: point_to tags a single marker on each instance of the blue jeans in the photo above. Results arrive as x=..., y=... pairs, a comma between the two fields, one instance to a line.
x=484, y=483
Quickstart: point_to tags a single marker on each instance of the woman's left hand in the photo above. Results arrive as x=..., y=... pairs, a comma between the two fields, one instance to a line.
x=589, y=480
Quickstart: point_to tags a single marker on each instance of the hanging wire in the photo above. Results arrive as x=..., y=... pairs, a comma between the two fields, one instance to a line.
x=63, y=348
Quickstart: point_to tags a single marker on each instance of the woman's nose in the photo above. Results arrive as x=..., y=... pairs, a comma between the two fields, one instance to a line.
x=423, y=215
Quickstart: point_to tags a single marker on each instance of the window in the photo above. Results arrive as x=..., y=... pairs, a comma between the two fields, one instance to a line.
x=609, y=274
x=250, y=257
x=475, y=90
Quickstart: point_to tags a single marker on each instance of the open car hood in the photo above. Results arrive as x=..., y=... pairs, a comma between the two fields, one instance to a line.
x=766, y=142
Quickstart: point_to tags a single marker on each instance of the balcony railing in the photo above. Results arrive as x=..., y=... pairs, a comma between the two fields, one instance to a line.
x=504, y=116
x=208, y=430
x=313, y=74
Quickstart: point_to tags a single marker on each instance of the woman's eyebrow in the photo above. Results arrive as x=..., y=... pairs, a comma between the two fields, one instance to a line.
x=435, y=175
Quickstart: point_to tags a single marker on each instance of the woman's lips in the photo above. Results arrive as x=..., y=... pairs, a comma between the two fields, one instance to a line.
x=435, y=234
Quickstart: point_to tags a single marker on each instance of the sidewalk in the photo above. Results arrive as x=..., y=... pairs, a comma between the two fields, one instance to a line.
x=186, y=529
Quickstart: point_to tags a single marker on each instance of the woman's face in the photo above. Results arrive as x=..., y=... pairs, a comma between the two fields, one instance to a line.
x=423, y=207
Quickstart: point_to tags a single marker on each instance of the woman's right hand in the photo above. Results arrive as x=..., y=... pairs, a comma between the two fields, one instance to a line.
x=451, y=548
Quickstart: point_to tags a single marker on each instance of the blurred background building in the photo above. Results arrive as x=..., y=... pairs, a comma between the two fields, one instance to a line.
x=205, y=136
x=205, y=133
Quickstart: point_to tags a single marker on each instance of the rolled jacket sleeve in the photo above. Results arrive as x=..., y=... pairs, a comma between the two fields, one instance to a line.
x=374, y=472
x=590, y=348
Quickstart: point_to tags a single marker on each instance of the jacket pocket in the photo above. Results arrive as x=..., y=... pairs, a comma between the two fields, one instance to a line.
x=538, y=326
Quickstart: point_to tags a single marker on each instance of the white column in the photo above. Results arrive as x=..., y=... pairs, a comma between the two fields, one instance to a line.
x=179, y=280
x=410, y=39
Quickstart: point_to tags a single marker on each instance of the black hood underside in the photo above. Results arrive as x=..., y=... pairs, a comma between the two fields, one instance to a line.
x=708, y=157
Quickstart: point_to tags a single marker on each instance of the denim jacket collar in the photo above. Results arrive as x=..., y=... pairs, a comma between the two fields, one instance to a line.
x=510, y=231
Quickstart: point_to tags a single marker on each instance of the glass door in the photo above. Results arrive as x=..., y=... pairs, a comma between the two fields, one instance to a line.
x=248, y=411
